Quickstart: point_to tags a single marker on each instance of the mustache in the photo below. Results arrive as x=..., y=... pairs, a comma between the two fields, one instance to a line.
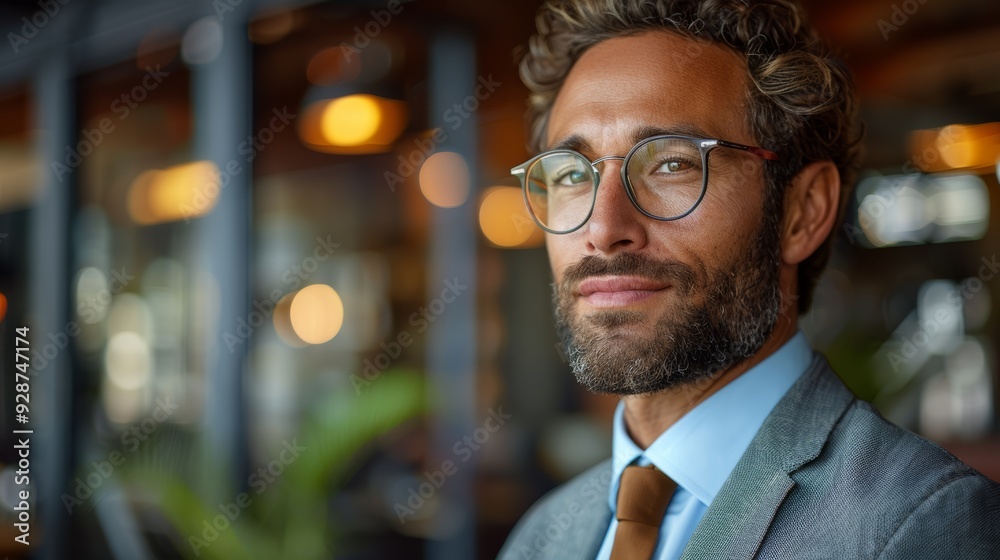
x=678, y=274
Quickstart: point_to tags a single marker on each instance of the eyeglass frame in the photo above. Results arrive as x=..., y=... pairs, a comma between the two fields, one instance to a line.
x=705, y=146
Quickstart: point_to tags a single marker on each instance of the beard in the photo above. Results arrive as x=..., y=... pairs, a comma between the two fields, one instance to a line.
x=714, y=324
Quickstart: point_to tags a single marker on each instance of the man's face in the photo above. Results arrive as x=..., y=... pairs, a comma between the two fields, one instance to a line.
x=645, y=305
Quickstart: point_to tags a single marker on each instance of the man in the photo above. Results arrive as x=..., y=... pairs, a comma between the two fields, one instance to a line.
x=695, y=161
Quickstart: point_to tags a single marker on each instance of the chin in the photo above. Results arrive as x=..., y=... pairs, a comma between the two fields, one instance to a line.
x=600, y=319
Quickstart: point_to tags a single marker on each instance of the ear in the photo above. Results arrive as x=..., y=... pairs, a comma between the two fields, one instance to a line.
x=812, y=205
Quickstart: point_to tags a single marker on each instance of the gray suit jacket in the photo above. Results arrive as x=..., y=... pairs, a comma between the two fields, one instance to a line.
x=825, y=477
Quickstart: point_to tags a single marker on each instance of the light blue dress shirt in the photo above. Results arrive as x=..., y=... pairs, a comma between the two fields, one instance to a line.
x=700, y=450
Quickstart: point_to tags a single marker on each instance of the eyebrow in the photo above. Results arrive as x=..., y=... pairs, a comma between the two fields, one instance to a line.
x=578, y=143
x=574, y=142
x=679, y=129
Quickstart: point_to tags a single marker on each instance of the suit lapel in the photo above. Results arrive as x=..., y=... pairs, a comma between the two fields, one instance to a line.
x=588, y=516
x=735, y=523
x=569, y=525
x=585, y=538
x=793, y=434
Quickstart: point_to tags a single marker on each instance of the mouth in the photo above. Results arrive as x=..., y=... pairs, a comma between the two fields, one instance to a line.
x=618, y=291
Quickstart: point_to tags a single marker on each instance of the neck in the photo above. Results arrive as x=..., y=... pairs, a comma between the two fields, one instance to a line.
x=649, y=415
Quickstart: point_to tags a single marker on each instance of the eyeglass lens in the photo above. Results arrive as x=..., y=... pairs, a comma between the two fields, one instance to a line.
x=666, y=177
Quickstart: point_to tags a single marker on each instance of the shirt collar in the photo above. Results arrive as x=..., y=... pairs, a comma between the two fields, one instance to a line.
x=700, y=450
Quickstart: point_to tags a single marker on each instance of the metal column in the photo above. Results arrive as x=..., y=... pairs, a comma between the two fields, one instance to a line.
x=222, y=94
x=452, y=341
x=52, y=388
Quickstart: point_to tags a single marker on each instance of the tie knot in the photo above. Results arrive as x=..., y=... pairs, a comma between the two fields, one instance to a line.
x=643, y=495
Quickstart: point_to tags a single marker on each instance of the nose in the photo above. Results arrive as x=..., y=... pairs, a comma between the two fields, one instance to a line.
x=615, y=224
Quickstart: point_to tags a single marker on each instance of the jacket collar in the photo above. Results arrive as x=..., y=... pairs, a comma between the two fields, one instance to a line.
x=793, y=435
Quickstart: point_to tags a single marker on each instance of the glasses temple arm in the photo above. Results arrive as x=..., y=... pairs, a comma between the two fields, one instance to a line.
x=760, y=152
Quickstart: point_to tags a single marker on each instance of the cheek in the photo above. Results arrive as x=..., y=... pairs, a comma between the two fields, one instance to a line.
x=731, y=209
x=558, y=252
x=736, y=187
x=709, y=236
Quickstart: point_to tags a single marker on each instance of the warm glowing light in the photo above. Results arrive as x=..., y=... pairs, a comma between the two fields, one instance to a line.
x=180, y=192
x=505, y=221
x=282, y=319
x=3, y=306
x=351, y=120
x=317, y=313
x=127, y=360
x=968, y=146
x=354, y=124
x=20, y=175
x=956, y=145
x=444, y=180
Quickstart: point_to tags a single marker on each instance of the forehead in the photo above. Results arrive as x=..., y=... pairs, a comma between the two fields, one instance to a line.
x=652, y=79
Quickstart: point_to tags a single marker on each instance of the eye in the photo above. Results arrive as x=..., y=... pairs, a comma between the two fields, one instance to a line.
x=571, y=178
x=675, y=165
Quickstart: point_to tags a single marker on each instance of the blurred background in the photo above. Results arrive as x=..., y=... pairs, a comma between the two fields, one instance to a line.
x=284, y=301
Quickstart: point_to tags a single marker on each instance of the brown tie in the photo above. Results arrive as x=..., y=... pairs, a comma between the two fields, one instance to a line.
x=643, y=495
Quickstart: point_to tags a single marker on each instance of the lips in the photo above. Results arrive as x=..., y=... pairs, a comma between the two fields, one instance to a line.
x=618, y=291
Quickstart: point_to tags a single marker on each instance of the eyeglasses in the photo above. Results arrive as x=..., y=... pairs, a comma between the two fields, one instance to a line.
x=665, y=178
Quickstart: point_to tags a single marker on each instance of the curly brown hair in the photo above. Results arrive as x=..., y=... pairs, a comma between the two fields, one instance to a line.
x=800, y=103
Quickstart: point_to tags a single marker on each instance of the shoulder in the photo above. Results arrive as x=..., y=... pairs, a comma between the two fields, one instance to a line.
x=960, y=519
x=895, y=456
x=572, y=507
x=834, y=436
x=898, y=494
x=940, y=505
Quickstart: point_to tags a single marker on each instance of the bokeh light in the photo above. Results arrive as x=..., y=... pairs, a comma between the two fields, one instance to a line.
x=505, y=221
x=963, y=146
x=316, y=313
x=960, y=205
x=123, y=406
x=444, y=179
x=92, y=295
x=3, y=306
x=282, y=319
x=20, y=176
x=916, y=208
x=956, y=145
x=353, y=124
x=202, y=41
x=351, y=120
x=127, y=360
x=130, y=313
x=179, y=192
